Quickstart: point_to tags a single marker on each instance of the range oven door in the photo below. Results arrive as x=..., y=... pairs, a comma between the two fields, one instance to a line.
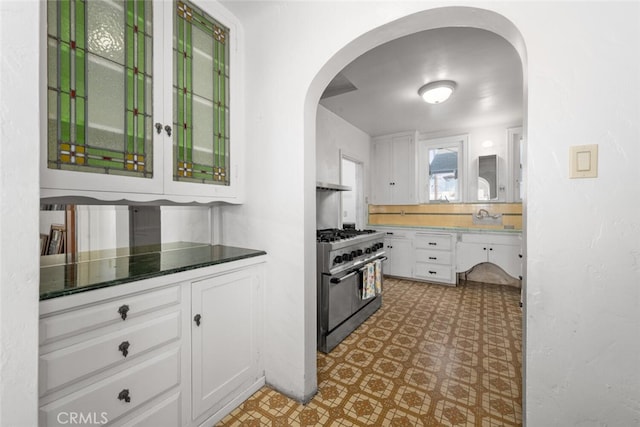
x=343, y=295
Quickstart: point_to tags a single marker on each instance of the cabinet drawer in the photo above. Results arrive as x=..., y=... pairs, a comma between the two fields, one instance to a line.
x=433, y=241
x=61, y=367
x=436, y=272
x=165, y=413
x=107, y=397
x=93, y=316
x=433, y=256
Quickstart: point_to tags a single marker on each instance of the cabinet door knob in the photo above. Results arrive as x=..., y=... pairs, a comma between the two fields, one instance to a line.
x=196, y=319
x=124, y=395
x=519, y=255
x=432, y=257
x=490, y=249
x=124, y=348
x=432, y=272
x=123, y=310
x=159, y=128
x=167, y=128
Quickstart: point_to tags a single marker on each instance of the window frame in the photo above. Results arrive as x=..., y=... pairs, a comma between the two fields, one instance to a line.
x=424, y=145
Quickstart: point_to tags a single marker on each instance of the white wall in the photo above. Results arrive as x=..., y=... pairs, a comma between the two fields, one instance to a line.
x=582, y=293
x=185, y=224
x=336, y=137
x=19, y=213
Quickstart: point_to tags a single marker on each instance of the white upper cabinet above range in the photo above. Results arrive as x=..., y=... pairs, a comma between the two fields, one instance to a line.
x=139, y=97
x=394, y=172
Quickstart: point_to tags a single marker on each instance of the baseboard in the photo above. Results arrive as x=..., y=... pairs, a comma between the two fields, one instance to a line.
x=229, y=407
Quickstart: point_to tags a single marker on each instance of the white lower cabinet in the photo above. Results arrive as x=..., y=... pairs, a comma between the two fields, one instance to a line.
x=398, y=249
x=133, y=355
x=501, y=250
x=434, y=257
x=224, y=343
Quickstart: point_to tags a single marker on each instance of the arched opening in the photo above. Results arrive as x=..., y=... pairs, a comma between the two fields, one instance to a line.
x=422, y=21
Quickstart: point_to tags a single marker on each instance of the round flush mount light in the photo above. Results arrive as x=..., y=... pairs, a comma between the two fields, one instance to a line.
x=437, y=92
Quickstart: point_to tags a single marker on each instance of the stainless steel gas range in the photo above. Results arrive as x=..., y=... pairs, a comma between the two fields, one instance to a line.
x=345, y=258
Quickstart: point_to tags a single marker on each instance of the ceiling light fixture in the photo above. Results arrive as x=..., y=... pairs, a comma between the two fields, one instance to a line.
x=437, y=92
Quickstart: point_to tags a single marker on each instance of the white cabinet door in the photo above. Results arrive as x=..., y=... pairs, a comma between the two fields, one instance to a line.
x=394, y=170
x=381, y=171
x=470, y=254
x=399, y=252
x=224, y=338
x=506, y=257
x=403, y=170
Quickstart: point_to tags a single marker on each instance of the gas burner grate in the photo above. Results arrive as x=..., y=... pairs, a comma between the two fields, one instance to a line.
x=336, y=234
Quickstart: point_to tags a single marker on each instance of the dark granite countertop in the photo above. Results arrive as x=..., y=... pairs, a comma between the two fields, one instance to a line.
x=60, y=276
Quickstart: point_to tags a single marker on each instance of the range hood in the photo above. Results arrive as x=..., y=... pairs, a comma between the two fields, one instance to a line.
x=331, y=187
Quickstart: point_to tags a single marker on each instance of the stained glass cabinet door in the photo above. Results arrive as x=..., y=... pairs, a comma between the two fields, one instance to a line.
x=116, y=68
x=204, y=153
x=102, y=98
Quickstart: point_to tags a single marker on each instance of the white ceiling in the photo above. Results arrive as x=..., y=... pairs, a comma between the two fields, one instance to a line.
x=486, y=68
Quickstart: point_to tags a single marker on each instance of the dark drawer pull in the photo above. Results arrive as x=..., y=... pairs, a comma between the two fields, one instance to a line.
x=432, y=244
x=123, y=310
x=432, y=272
x=124, y=395
x=124, y=348
x=432, y=257
x=196, y=319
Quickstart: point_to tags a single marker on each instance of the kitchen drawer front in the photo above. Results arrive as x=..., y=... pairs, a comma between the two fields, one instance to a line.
x=433, y=241
x=102, y=314
x=61, y=367
x=139, y=384
x=428, y=271
x=433, y=256
x=165, y=413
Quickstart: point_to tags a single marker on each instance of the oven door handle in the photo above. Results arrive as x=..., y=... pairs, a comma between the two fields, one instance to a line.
x=354, y=272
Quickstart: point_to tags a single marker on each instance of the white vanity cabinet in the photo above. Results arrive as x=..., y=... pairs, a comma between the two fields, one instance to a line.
x=133, y=354
x=503, y=250
x=394, y=180
x=435, y=257
x=398, y=245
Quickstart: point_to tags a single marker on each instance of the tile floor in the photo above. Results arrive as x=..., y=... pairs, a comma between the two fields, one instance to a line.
x=432, y=355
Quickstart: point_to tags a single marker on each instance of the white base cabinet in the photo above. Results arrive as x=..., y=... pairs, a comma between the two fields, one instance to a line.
x=398, y=247
x=133, y=355
x=434, y=257
x=501, y=250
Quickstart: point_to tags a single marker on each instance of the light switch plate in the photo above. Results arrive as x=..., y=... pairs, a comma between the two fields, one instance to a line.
x=583, y=161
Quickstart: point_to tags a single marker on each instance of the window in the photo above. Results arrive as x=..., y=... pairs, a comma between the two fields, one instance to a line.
x=441, y=169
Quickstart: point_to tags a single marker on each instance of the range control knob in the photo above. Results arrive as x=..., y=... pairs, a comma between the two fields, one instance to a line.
x=337, y=260
x=353, y=254
x=345, y=257
x=360, y=252
x=367, y=251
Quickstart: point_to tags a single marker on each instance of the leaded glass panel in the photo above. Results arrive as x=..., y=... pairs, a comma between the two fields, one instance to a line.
x=100, y=86
x=201, y=97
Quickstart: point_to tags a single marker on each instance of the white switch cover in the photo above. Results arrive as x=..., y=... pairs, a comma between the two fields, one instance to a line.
x=583, y=161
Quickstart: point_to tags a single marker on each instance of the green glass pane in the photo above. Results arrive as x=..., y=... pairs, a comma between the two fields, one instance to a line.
x=189, y=120
x=105, y=163
x=80, y=121
x=106, y=103
x=106, y=29
x=140, y=134
x=141, y=95
x=131, y=48
x=140, y=39
x=140, y=15
x=80, y=73
x=148, y=143
x=80, y=19
x=130, y=89
x=188, y=70
x=130, y=133
x=65, y=20
x=65, y=117
x=148, y=47
x=52, y=124
x=65, y=67
x=114, y=155
x=148, y=96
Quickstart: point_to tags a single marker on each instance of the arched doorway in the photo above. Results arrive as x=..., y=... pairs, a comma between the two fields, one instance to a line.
x=426, y=20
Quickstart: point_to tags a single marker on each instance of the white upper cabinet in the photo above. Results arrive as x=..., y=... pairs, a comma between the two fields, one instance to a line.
x=394, y=172
x=138, y=102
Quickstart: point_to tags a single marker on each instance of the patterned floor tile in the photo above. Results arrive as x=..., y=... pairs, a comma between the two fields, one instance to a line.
x=431, y=356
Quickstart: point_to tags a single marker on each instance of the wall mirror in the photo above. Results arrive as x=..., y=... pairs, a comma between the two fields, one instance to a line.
x=488, y=177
